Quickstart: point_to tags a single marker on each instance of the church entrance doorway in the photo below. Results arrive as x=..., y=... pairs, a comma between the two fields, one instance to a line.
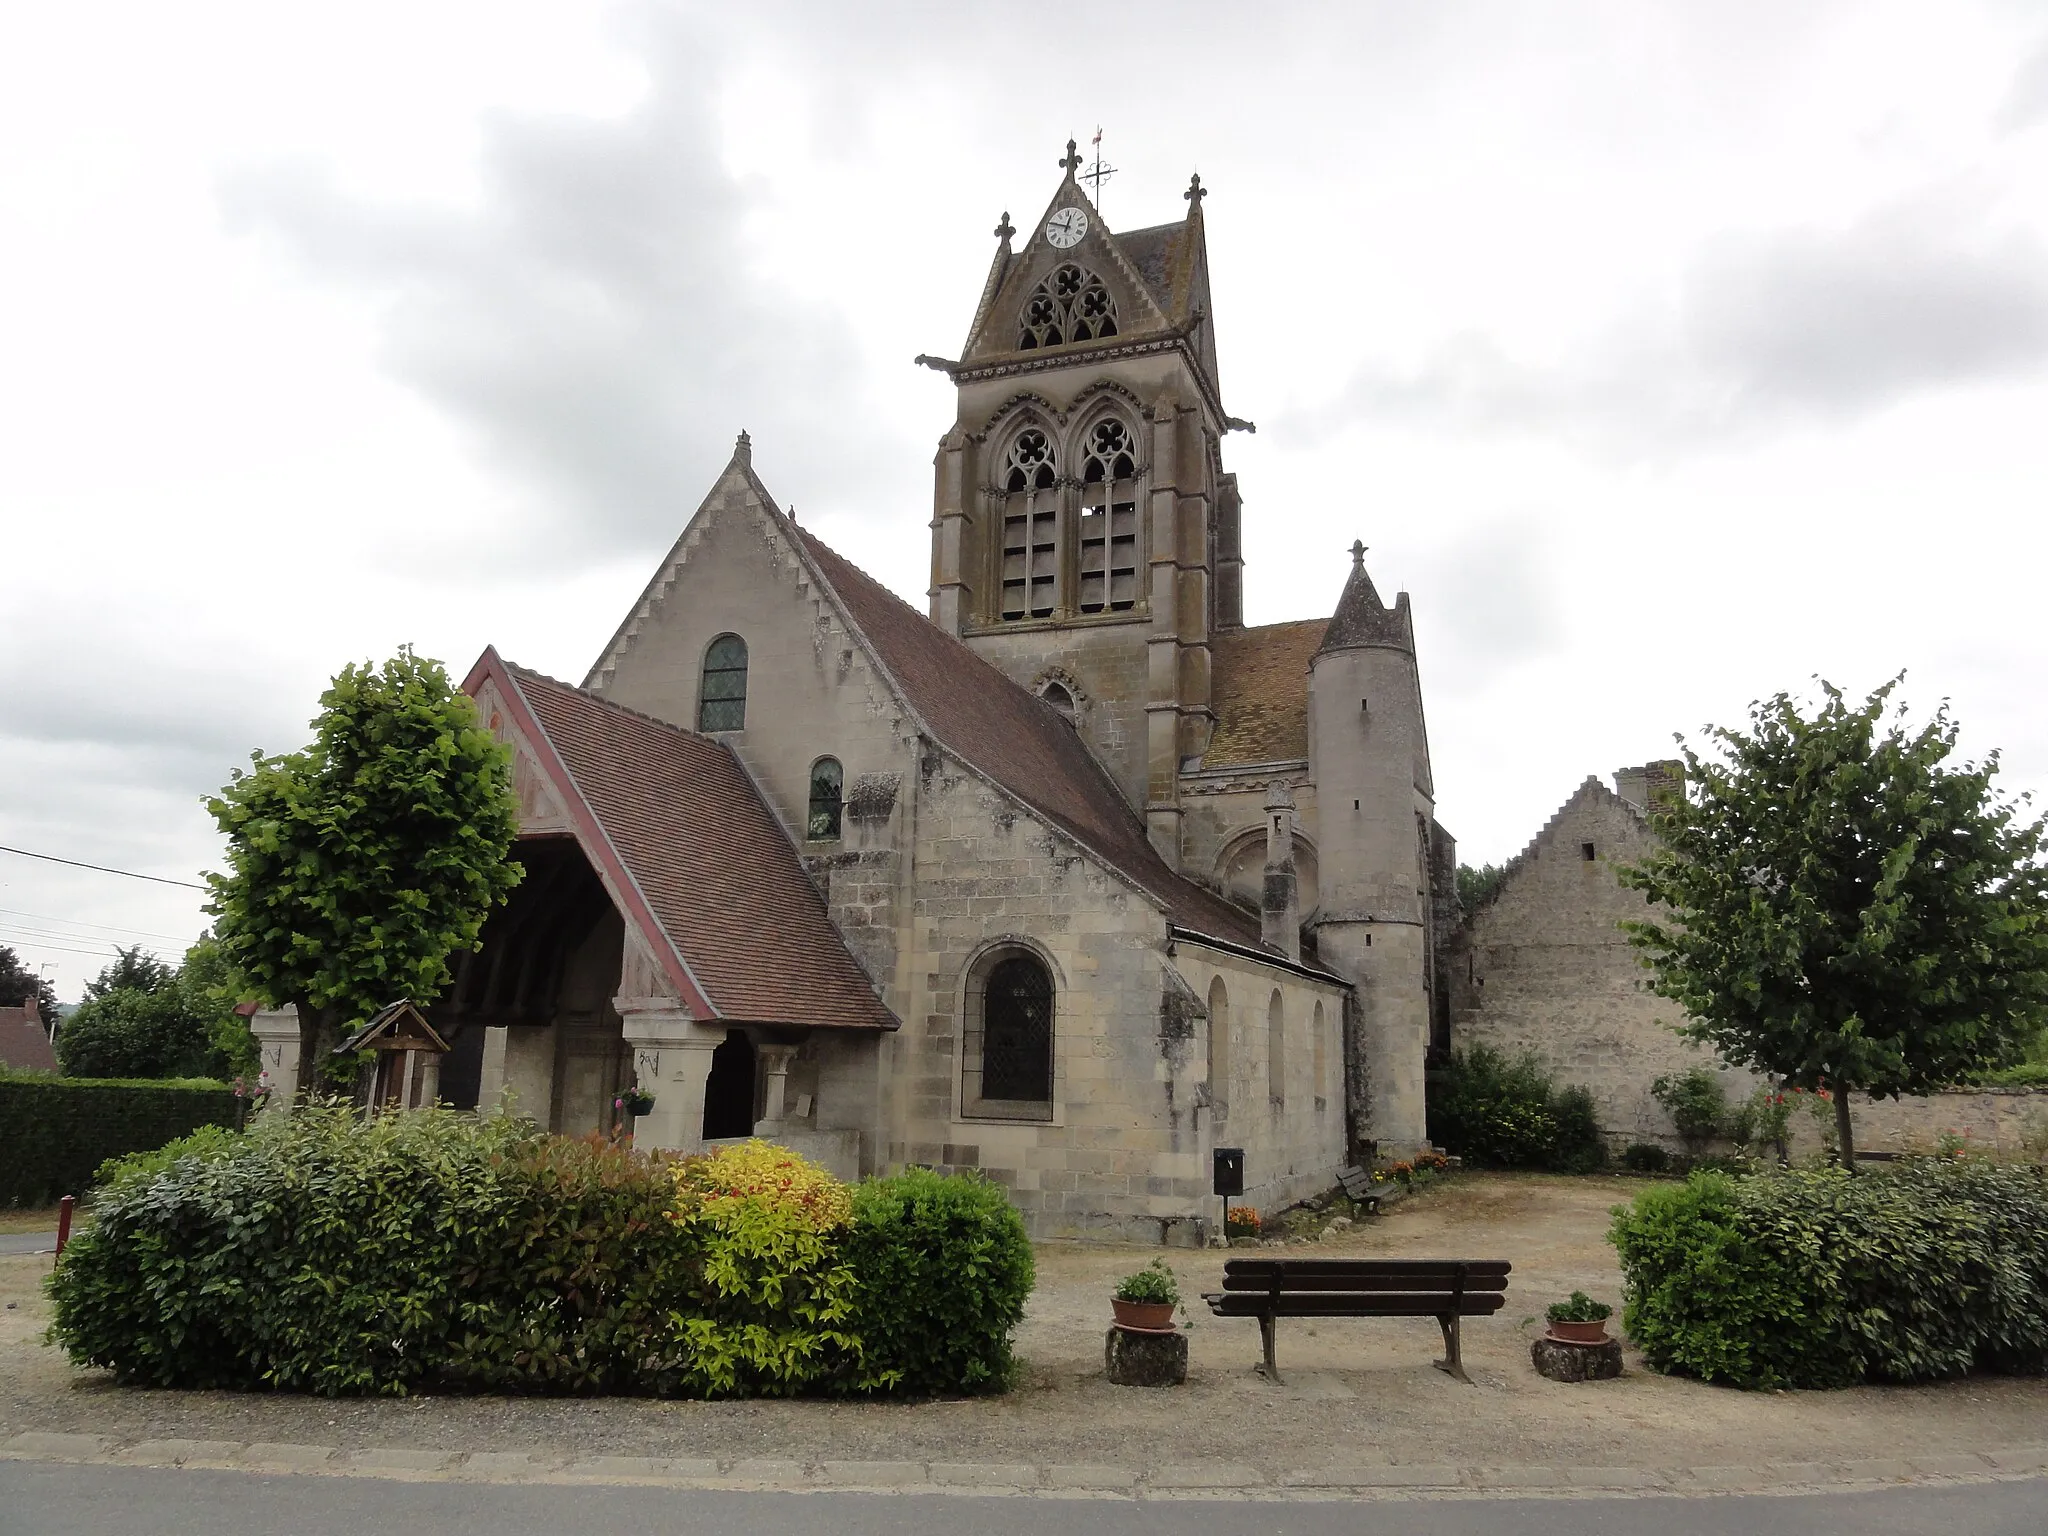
x=729, y=1092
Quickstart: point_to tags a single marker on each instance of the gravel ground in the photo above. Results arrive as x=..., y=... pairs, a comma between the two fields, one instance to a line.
x=1356, y=1390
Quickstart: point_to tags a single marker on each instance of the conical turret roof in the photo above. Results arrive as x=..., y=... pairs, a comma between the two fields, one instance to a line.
x=1363, y=620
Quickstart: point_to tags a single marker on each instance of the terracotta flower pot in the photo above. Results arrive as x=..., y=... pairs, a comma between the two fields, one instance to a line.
x=1580, y=1333
x=1146, y=1316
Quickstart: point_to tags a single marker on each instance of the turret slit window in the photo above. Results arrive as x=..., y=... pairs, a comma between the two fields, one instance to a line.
x=1007, y=1066
x=1031, y=546
x=828, y=799
x=1069, y=304
x=722, y=699
x=1109, y=519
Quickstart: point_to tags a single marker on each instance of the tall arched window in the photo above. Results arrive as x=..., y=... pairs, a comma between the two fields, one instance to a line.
x=1109, y=518
x=1219, y=1047
x=1031, y=542
x=1321, y=1052
x=827, y=799
x=722, y=700
x=1007, y=1066
x=1276, y=1052
x=1070, y=304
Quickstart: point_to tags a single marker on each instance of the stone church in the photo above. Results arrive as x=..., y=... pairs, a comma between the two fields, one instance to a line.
x=1071, y=877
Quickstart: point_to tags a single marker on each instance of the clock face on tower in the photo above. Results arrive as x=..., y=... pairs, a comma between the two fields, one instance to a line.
x=1066, y=228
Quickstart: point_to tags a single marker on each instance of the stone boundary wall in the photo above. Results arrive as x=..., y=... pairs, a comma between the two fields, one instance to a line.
x=2011, y=1121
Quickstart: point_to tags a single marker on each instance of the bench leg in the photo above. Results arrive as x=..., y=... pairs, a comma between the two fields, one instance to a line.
x=1268, y=1325
x=1453, y=1363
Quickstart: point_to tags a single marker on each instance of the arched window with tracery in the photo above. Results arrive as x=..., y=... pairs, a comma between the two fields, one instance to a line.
x=1007, y=1066
x=1031, y=526
x=1069, y=304
x=1109, y=518
x=722, y=697
x=828, y=800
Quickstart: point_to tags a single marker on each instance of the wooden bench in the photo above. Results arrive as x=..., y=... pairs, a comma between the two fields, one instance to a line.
x=1358, y=1188
x=1445, y=1289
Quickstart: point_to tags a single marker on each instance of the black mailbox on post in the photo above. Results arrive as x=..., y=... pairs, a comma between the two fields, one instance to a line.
x=1229, y=1171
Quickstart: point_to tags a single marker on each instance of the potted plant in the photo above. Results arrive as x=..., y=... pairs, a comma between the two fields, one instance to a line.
x=1579, y=1319
x=1241, y=1221
x=1145, y=1300
x=634, y=1102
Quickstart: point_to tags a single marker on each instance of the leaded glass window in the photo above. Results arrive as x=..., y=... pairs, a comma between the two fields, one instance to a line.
x=722, y=700
x=1016, y=1034
x=827, y=799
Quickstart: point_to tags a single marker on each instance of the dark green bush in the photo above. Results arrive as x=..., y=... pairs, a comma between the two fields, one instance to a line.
x=325, y=1253
x=1506, y=1112
x=943, y=1270
x=1646, y=1157
x=1925, y=1270
x=56, y=1131
x=1697, y=1104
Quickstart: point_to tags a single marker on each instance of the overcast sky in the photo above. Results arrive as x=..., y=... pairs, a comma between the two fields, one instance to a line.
x=1668, y=355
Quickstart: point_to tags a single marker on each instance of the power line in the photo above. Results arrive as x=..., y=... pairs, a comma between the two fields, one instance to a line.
x=79, y=922
x=61, y=949
x=102, y=868
x=28, y=933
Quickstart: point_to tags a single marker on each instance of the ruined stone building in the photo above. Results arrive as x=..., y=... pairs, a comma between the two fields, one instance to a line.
x=1071, y=877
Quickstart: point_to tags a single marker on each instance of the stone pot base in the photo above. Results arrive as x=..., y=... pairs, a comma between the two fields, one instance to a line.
x=1561, y=1361
x=1134, y=1357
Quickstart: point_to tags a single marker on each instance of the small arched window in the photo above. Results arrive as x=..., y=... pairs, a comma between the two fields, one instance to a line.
x=722, y=700
x=1321, y=1049
x=1069, y=304
x=1219, y=1047
x=827, y=799
x=1008, y=1060
x=1057, y=696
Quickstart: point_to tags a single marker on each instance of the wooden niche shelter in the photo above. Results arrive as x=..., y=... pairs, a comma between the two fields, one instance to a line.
x=407, y=1071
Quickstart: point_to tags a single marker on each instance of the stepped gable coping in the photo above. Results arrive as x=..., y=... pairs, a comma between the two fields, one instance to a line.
x=702, y=852
x=1521, y=860
x=1017, y=742
x=1259, y=687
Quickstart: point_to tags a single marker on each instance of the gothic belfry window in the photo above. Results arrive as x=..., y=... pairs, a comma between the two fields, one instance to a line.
x=1069, y=304
x=1031, y=547
x=1109, y=519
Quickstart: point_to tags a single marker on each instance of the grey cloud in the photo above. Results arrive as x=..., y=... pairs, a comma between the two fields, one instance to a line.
x=1492, y=602
x=2026, y=101
x=591, y=320
x=1766, y=329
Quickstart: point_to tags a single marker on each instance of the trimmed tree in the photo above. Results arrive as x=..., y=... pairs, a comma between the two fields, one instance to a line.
x=1848, y=909
x=358, y=865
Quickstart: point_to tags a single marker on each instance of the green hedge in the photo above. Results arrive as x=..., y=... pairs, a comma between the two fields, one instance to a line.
x=56, y=1131
x=1505, y=1112
x=328, y=1254
x=1928, y=1269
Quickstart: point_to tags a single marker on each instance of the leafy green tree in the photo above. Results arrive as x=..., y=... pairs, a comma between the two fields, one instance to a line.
x=1477, y=883
x=359, y=864
x=18, y=982
x=1849, y=910
x=141, y=1018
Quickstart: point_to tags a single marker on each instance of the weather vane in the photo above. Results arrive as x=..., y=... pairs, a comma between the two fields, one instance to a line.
x=1097, y=173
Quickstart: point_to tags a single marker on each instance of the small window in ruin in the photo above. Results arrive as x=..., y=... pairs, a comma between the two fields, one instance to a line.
x=1586, y=852
x=827, y=799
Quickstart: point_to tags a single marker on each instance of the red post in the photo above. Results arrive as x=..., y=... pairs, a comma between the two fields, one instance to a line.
x=64, y=1222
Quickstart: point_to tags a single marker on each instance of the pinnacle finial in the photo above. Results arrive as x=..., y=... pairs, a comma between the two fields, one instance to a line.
x=743, y=450
x=1071, y=161
x=1005, y=229
x=1196, y=191
x=1358, y=554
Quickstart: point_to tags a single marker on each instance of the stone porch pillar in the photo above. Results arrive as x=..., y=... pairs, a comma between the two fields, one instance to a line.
x=773, y=1062
x=277, y=1039
x=672, y=1061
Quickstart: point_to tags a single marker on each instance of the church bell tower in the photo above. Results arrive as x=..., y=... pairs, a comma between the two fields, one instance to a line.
x=1084, y=532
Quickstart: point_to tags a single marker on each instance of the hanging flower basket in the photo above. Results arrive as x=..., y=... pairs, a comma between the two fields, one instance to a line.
x=634, y=1102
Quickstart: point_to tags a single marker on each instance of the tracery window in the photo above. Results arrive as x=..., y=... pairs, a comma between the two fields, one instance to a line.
x=1069, y=304
x=828, y=799
x=1031, y=545
x=722, y=698
x=1008, y=1060
x=1109, y=519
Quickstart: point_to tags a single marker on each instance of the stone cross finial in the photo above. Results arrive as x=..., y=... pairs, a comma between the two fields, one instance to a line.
x=1358, y=554
x=1071, y=162
x=1005, y=229
x=1196, y=191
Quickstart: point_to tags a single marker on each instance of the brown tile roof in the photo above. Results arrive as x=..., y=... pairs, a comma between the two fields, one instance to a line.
x=710, y=858
x=23, y=1045
x=1258, y=681
x=1017, y=740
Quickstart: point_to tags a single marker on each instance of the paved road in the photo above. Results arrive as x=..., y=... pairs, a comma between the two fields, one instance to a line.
x=49, y=1499
x=28, y=1242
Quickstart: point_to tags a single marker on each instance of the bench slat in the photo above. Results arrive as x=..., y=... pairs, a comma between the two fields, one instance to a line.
x=1382, y=1266
x=1364, y=1284
x=1353, y=1304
